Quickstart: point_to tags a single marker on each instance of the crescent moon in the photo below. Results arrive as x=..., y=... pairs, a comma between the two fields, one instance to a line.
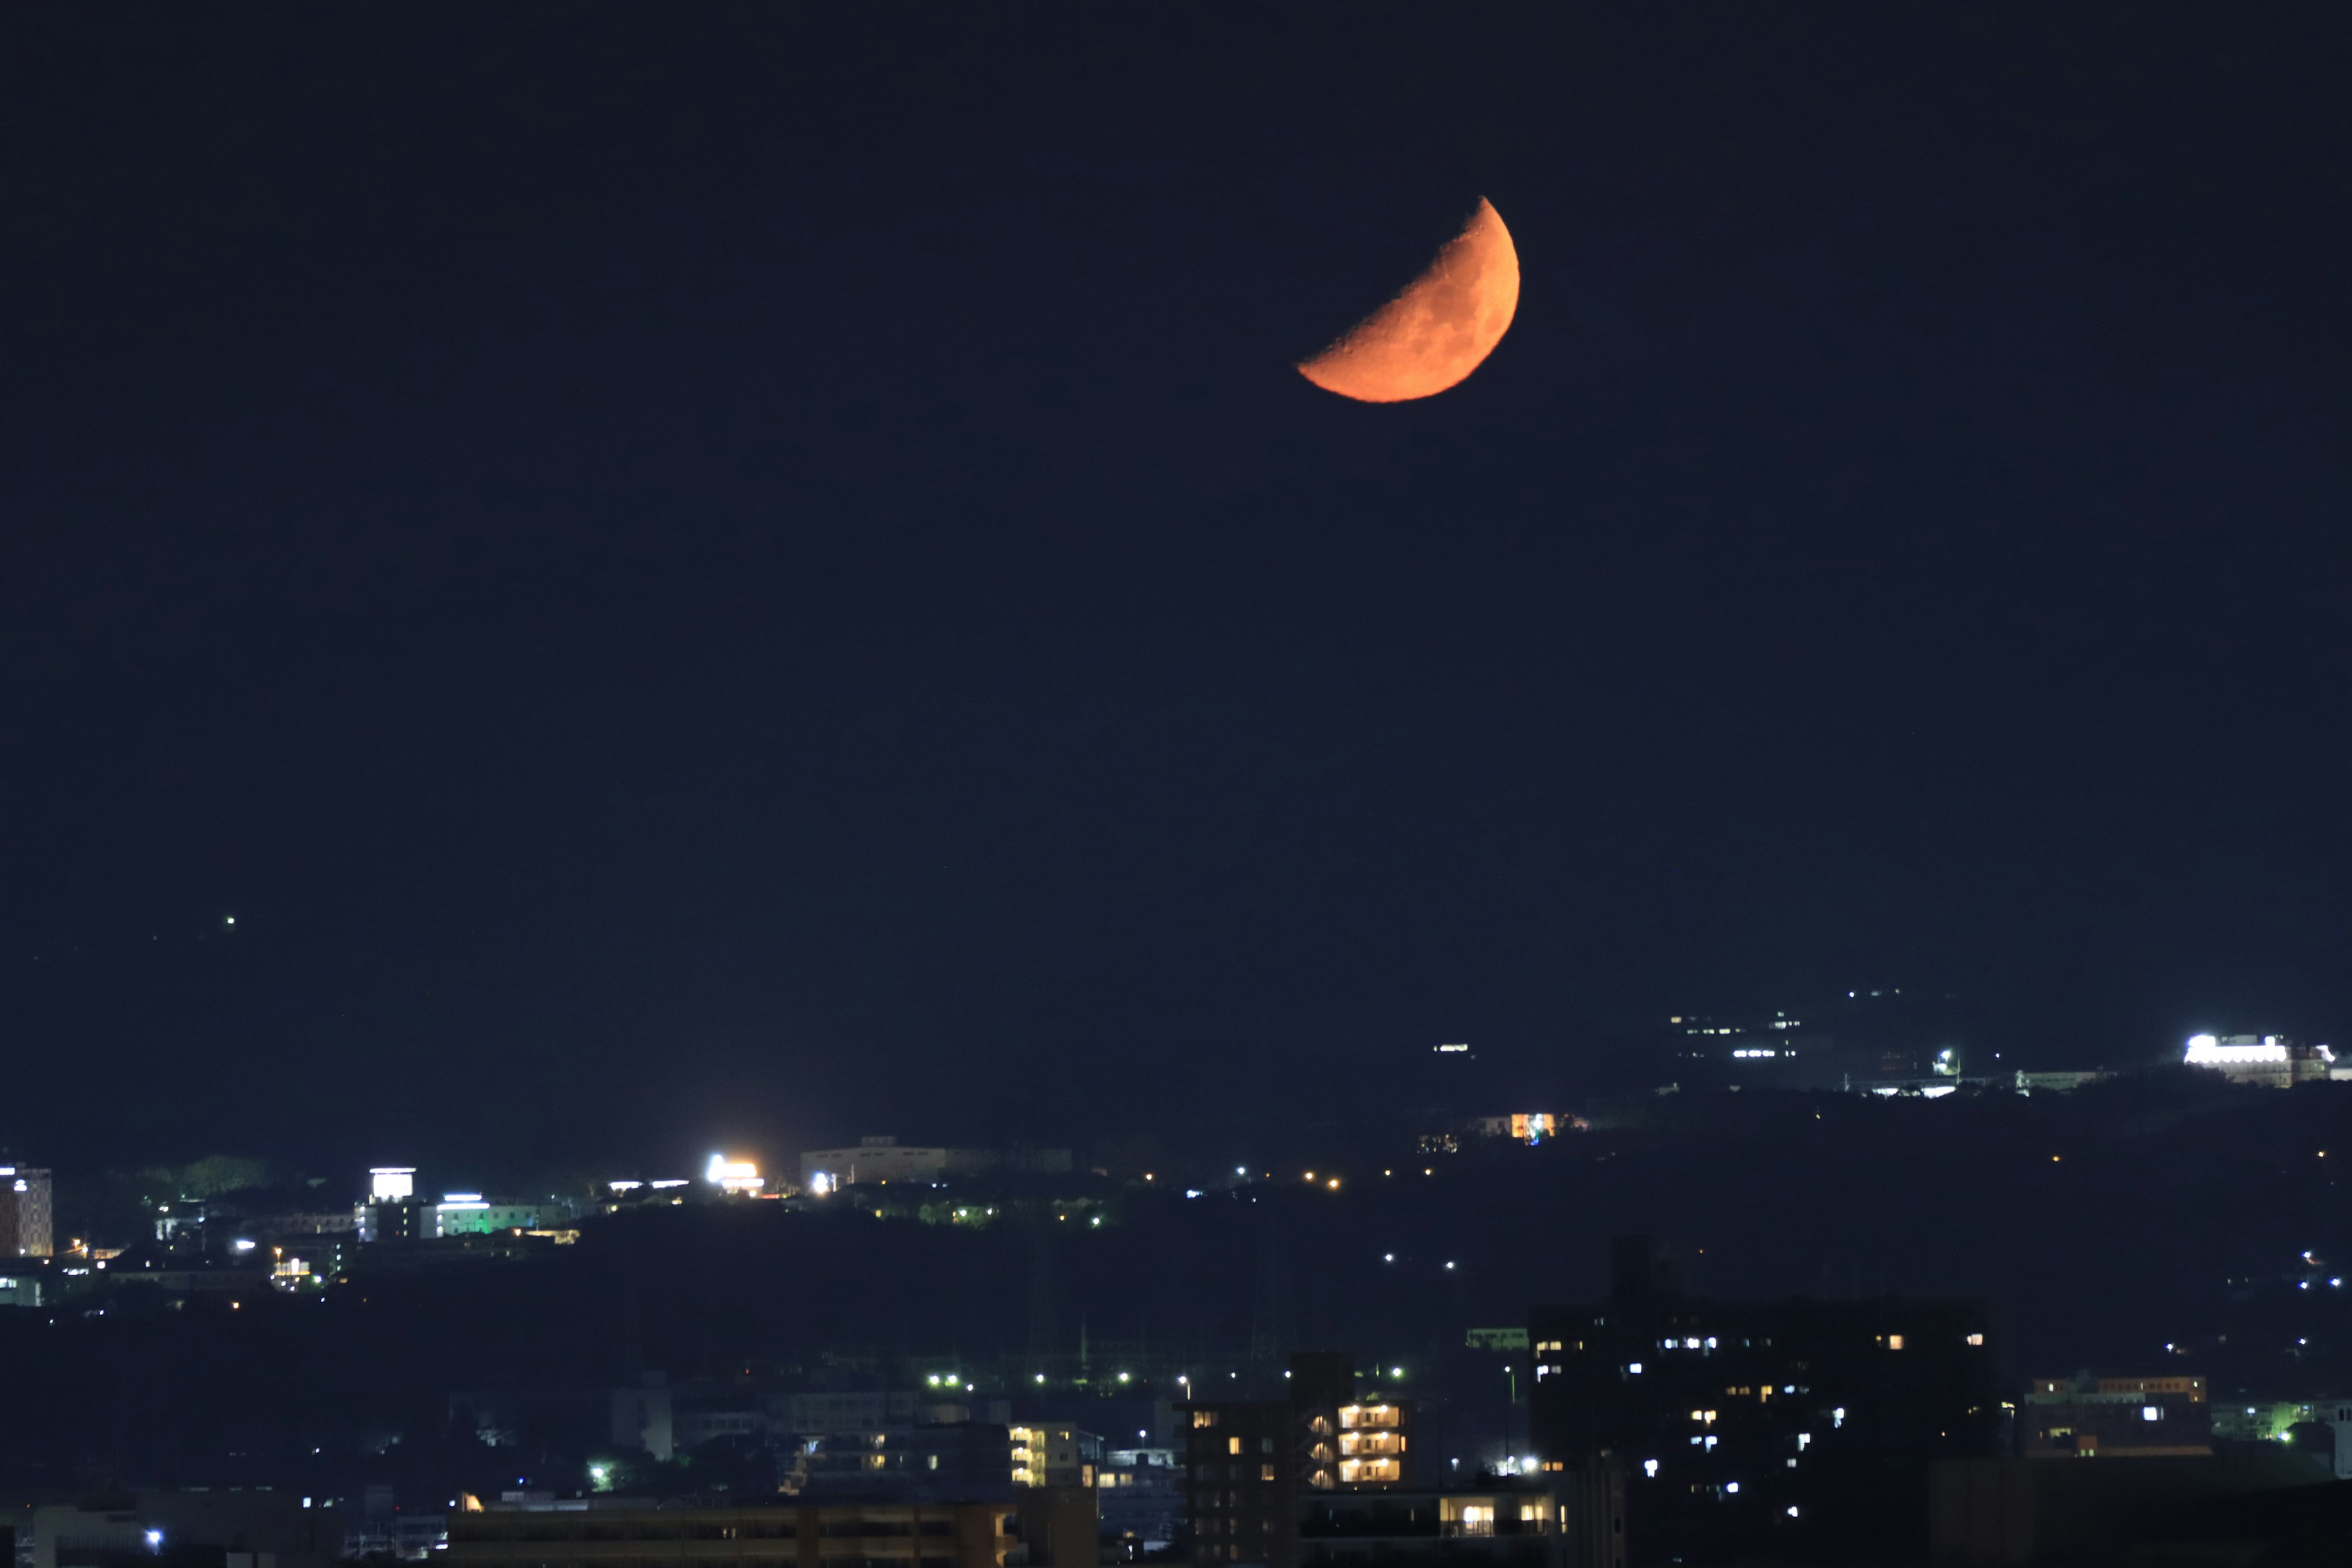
x=1439, y=329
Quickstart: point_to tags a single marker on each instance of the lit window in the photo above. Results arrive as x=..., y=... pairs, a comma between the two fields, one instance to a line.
x=1895, y=1342
x=1232, y=1445
x=1976, y=1339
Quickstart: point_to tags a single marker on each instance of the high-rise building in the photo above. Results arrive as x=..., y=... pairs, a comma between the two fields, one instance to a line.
x=1250, y=1462
x=1751, y=1428
x=25, y=1228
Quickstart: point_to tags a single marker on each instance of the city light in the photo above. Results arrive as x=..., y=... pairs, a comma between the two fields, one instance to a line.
x=733, y=1175
x=2205, y=1051
x=392, y=1182
x=1649, y=1467
x=820, y=1184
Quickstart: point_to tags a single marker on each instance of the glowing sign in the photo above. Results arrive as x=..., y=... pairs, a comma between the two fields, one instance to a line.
x=733, y=1175
x=392, y=1182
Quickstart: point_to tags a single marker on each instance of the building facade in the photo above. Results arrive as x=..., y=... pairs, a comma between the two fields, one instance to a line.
x=2088, y=1417
x=26, y=1229
x=1249, y=1464
x=1053, y=1454
x=1751, y=1428
x=2268, y=1061
x=1575, y=1523
x=780, y=1535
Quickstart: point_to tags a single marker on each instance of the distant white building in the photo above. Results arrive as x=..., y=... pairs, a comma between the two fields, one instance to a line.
x=2272, y=1061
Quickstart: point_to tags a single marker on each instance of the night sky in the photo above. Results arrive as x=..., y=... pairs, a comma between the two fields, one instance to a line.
x=697, y=575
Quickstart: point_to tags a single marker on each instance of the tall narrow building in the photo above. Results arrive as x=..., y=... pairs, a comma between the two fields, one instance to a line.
x=24, y=1224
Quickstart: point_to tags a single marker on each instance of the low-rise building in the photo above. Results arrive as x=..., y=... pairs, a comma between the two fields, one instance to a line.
x=1560, y=1523
x=968, y=1459
x=2088, y=1417
x=470, y=1214
x=2269, y=1061
x=779, y=1534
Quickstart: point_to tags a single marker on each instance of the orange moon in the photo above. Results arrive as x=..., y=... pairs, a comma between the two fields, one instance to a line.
x=1438, y=330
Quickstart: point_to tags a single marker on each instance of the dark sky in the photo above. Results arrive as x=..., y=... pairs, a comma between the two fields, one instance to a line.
x=694, y=573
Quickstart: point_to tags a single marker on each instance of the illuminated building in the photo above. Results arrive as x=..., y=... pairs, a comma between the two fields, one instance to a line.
x=926, y=1463
x=1560, y=1523
x=2090, y=1417
x=393, y=1219
x=1250, y=1462
x=1054, y=1455
x=1883, y=1041
x=24, y=1222
x=779, y=1534
x=2271, y=1061
x=469, y=1214
x=741, y=1177
x=1759, y=1427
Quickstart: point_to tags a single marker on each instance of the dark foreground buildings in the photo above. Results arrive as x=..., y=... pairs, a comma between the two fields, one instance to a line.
x=1506, y=1524
x=1747, y=1428
x=878, y=1535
